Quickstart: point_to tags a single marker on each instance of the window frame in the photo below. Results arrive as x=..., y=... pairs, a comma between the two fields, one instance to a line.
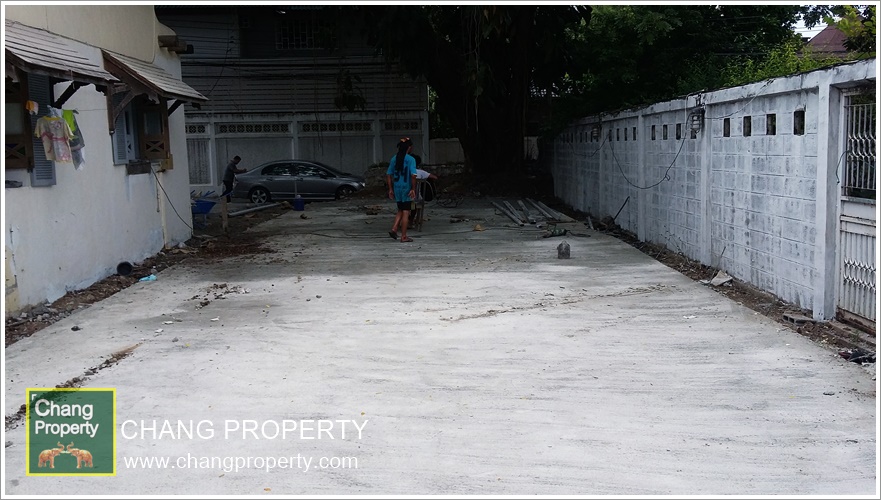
x=132, y=121
x=40, y=89
x=16, y=158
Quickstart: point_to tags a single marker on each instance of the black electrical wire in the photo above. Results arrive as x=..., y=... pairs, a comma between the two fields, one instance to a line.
x=169, y=199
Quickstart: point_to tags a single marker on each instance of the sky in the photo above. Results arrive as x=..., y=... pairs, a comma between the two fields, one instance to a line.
x=810, y=33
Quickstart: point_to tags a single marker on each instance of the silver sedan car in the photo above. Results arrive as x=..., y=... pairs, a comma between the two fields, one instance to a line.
x=285, y=179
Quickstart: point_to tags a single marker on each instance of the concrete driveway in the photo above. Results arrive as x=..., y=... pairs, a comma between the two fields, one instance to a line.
x=464, y=363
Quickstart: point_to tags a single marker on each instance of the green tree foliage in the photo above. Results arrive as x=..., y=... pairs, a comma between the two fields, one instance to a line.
x=636, y=54
x=482, y=62
x=858, y=23
x=440, y=127
x=348, y=92
x=788, y=59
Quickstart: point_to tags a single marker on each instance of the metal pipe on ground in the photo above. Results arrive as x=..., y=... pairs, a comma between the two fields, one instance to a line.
x=509, y=214
x=560, y=216
x=542, y=210
x=254, y=209
x=514, y=211
x=526, y=215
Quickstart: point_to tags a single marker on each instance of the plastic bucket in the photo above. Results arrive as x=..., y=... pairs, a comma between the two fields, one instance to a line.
x=299, y=203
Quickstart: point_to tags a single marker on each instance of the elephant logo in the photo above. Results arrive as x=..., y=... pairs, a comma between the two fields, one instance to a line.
x=82, y=421
x=49, y=456
x=83, y=457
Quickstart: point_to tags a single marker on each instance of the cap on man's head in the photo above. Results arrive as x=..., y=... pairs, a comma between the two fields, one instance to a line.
x=237, y=158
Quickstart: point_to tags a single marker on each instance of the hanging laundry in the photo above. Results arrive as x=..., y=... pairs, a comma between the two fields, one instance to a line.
x=79, y=158
x=77, y=143
x=32, y=106
x=56, y=135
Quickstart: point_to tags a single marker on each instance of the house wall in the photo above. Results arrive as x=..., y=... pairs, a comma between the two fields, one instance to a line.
x=126, y=29
x=284, y=104
x=240, y=74
x=763, y=208
x=68, y=236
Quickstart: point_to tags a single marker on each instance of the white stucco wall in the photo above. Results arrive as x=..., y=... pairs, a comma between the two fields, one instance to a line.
x=126, y=29
x=763, y=208
x=349, y=150
x=68, y=236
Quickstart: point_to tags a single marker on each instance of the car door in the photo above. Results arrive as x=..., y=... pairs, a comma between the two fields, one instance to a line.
x=314, y=181
x=280, y=180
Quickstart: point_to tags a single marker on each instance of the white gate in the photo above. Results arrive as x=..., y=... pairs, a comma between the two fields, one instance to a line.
x=856, y=297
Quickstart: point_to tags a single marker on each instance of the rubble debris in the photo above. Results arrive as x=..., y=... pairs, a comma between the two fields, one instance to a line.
x=607, y=223
x=858, y=356
x=797, y=319
x=551, y=232
x=719, y=279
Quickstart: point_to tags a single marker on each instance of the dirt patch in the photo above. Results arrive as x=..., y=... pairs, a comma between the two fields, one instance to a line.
x=209, y=242
x=16, y=418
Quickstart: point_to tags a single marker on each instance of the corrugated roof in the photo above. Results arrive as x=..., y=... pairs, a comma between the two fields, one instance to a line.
x=154, y=78
x=40, y=51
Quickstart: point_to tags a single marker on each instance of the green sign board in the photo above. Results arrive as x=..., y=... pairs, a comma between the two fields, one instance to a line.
x=71, y=432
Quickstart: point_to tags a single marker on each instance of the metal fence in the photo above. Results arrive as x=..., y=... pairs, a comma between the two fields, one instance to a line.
x=859, y=167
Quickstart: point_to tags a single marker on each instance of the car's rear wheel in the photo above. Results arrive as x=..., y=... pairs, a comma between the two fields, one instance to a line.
x=344, y=192
x=259, y=196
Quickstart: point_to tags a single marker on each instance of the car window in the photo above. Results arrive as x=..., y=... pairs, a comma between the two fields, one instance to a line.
x=330, y=170
x=278, y=169
x=308, y=170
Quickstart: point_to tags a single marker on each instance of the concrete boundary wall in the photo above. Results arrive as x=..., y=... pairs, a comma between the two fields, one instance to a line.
x=725, y=177
x=351, y=141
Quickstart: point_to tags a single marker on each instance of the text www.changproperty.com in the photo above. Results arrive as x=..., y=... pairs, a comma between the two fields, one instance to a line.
x=235, y=464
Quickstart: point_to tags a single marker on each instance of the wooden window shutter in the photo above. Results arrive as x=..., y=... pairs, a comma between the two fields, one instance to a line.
x=39, y=90
x=120, y=155
x=153, y=130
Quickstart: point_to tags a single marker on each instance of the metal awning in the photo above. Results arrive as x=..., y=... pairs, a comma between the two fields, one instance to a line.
x=41, y=52
x=150, y=79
